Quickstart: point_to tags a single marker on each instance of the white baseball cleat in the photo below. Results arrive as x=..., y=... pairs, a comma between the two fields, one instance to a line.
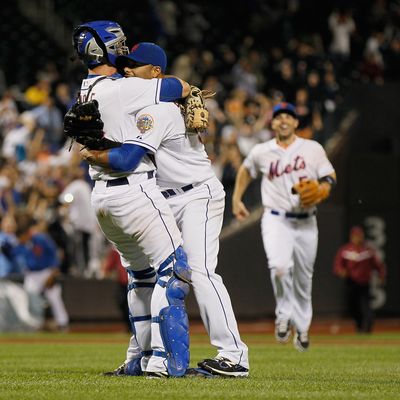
x=282, y=331
x=301, y=341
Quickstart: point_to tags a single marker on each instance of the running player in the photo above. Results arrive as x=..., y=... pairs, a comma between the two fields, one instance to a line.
x=289, y=231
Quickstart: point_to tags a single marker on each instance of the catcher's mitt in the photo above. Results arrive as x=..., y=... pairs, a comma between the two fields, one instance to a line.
x=311, y=192
x=83, y=124
x=195, y=110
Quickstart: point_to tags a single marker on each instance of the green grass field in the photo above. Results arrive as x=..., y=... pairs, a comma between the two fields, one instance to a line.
x=70, y=366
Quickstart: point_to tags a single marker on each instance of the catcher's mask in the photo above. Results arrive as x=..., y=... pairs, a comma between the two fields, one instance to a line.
x=99, y=42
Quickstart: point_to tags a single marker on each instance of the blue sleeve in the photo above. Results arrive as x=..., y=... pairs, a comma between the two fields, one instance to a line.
x=171, y=89
x=126, y=157
x=49, y=258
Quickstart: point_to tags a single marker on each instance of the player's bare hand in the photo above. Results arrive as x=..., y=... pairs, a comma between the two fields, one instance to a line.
x=239, y=210
x=87, y=155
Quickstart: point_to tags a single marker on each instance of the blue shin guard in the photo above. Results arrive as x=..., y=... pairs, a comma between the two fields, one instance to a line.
x=174, y=327
x=174, y=323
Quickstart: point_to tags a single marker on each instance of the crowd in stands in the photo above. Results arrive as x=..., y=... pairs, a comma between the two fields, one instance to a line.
x=276, y=59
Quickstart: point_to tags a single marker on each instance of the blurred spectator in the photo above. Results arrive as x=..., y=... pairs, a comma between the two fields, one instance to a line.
x=285, y=80
x=8, y=112
x=244, y=76
x=391, y=56
x=36, y=254
x=371, y=69
x=8, y=241
x=342, y=27
x=50, y=119
x=76, y=196
x=308, y=115
x=356, y=261
x=36, y=94
x=16, y=139
x=112, y=267
x=305, y=114
x=62, y=97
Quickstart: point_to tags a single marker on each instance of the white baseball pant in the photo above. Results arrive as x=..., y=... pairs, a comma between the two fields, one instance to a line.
x=291, y=247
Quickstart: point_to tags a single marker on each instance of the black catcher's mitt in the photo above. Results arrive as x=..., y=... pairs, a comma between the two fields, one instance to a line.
x=83, y=124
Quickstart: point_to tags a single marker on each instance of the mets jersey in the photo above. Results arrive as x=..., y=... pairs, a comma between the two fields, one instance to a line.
x=181, y=158
x=282, y=167
x=119, y=99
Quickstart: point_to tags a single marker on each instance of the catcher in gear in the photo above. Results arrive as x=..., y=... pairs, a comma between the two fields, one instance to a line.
x=296, y=176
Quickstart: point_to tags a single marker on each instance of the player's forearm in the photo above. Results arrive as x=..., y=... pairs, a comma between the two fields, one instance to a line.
x=96, y=157
x=242, y=182
x=329, y=180
x=327, y=183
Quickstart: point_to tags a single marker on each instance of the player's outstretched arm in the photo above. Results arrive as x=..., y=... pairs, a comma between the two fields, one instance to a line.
x=242, y=181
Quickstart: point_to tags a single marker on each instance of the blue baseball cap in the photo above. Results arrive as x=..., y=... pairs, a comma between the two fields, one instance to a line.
x=144, y=53
x=284, y=108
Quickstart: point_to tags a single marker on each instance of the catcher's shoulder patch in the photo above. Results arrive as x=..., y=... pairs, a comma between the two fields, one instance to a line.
x=144, y=123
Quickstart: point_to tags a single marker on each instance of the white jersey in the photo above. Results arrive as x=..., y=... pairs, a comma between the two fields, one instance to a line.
x=180, y=157
x=119, y=99
x=281, y=168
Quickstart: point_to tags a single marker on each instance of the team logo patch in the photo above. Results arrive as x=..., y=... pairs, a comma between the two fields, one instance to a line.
x=145, y=123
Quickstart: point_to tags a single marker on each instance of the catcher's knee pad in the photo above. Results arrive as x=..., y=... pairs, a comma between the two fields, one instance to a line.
x=133, y=367
x=181, y=268
x=173, y=320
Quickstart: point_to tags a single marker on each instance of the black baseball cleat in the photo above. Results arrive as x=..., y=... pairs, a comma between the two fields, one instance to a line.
x=190, y=373
x=120, y=371
x=156, y=375
x=282, y=331
x=301, y=341
x=198, y=373
x=224, y=367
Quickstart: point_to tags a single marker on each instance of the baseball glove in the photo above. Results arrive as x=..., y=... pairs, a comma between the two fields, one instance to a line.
x=195, y=110
x=83, y=124
x=311, y=192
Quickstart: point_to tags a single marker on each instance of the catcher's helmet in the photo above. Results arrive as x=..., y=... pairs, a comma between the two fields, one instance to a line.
x=99, y=42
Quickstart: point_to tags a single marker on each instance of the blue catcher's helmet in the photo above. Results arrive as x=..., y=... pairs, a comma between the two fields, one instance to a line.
x=99, y=42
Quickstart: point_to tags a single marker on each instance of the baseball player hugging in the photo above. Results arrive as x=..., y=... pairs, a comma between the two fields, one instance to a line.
x=296, y=176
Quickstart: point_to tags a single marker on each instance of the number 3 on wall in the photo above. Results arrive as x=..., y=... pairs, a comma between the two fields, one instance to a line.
x=375, y=231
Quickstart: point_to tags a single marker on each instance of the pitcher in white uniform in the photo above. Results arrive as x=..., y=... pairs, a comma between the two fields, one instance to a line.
x=197, y=199
x=130, y=209
x=289, y=232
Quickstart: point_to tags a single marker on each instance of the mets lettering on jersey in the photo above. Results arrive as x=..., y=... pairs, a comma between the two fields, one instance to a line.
x=276, y=169
x=281, y=168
